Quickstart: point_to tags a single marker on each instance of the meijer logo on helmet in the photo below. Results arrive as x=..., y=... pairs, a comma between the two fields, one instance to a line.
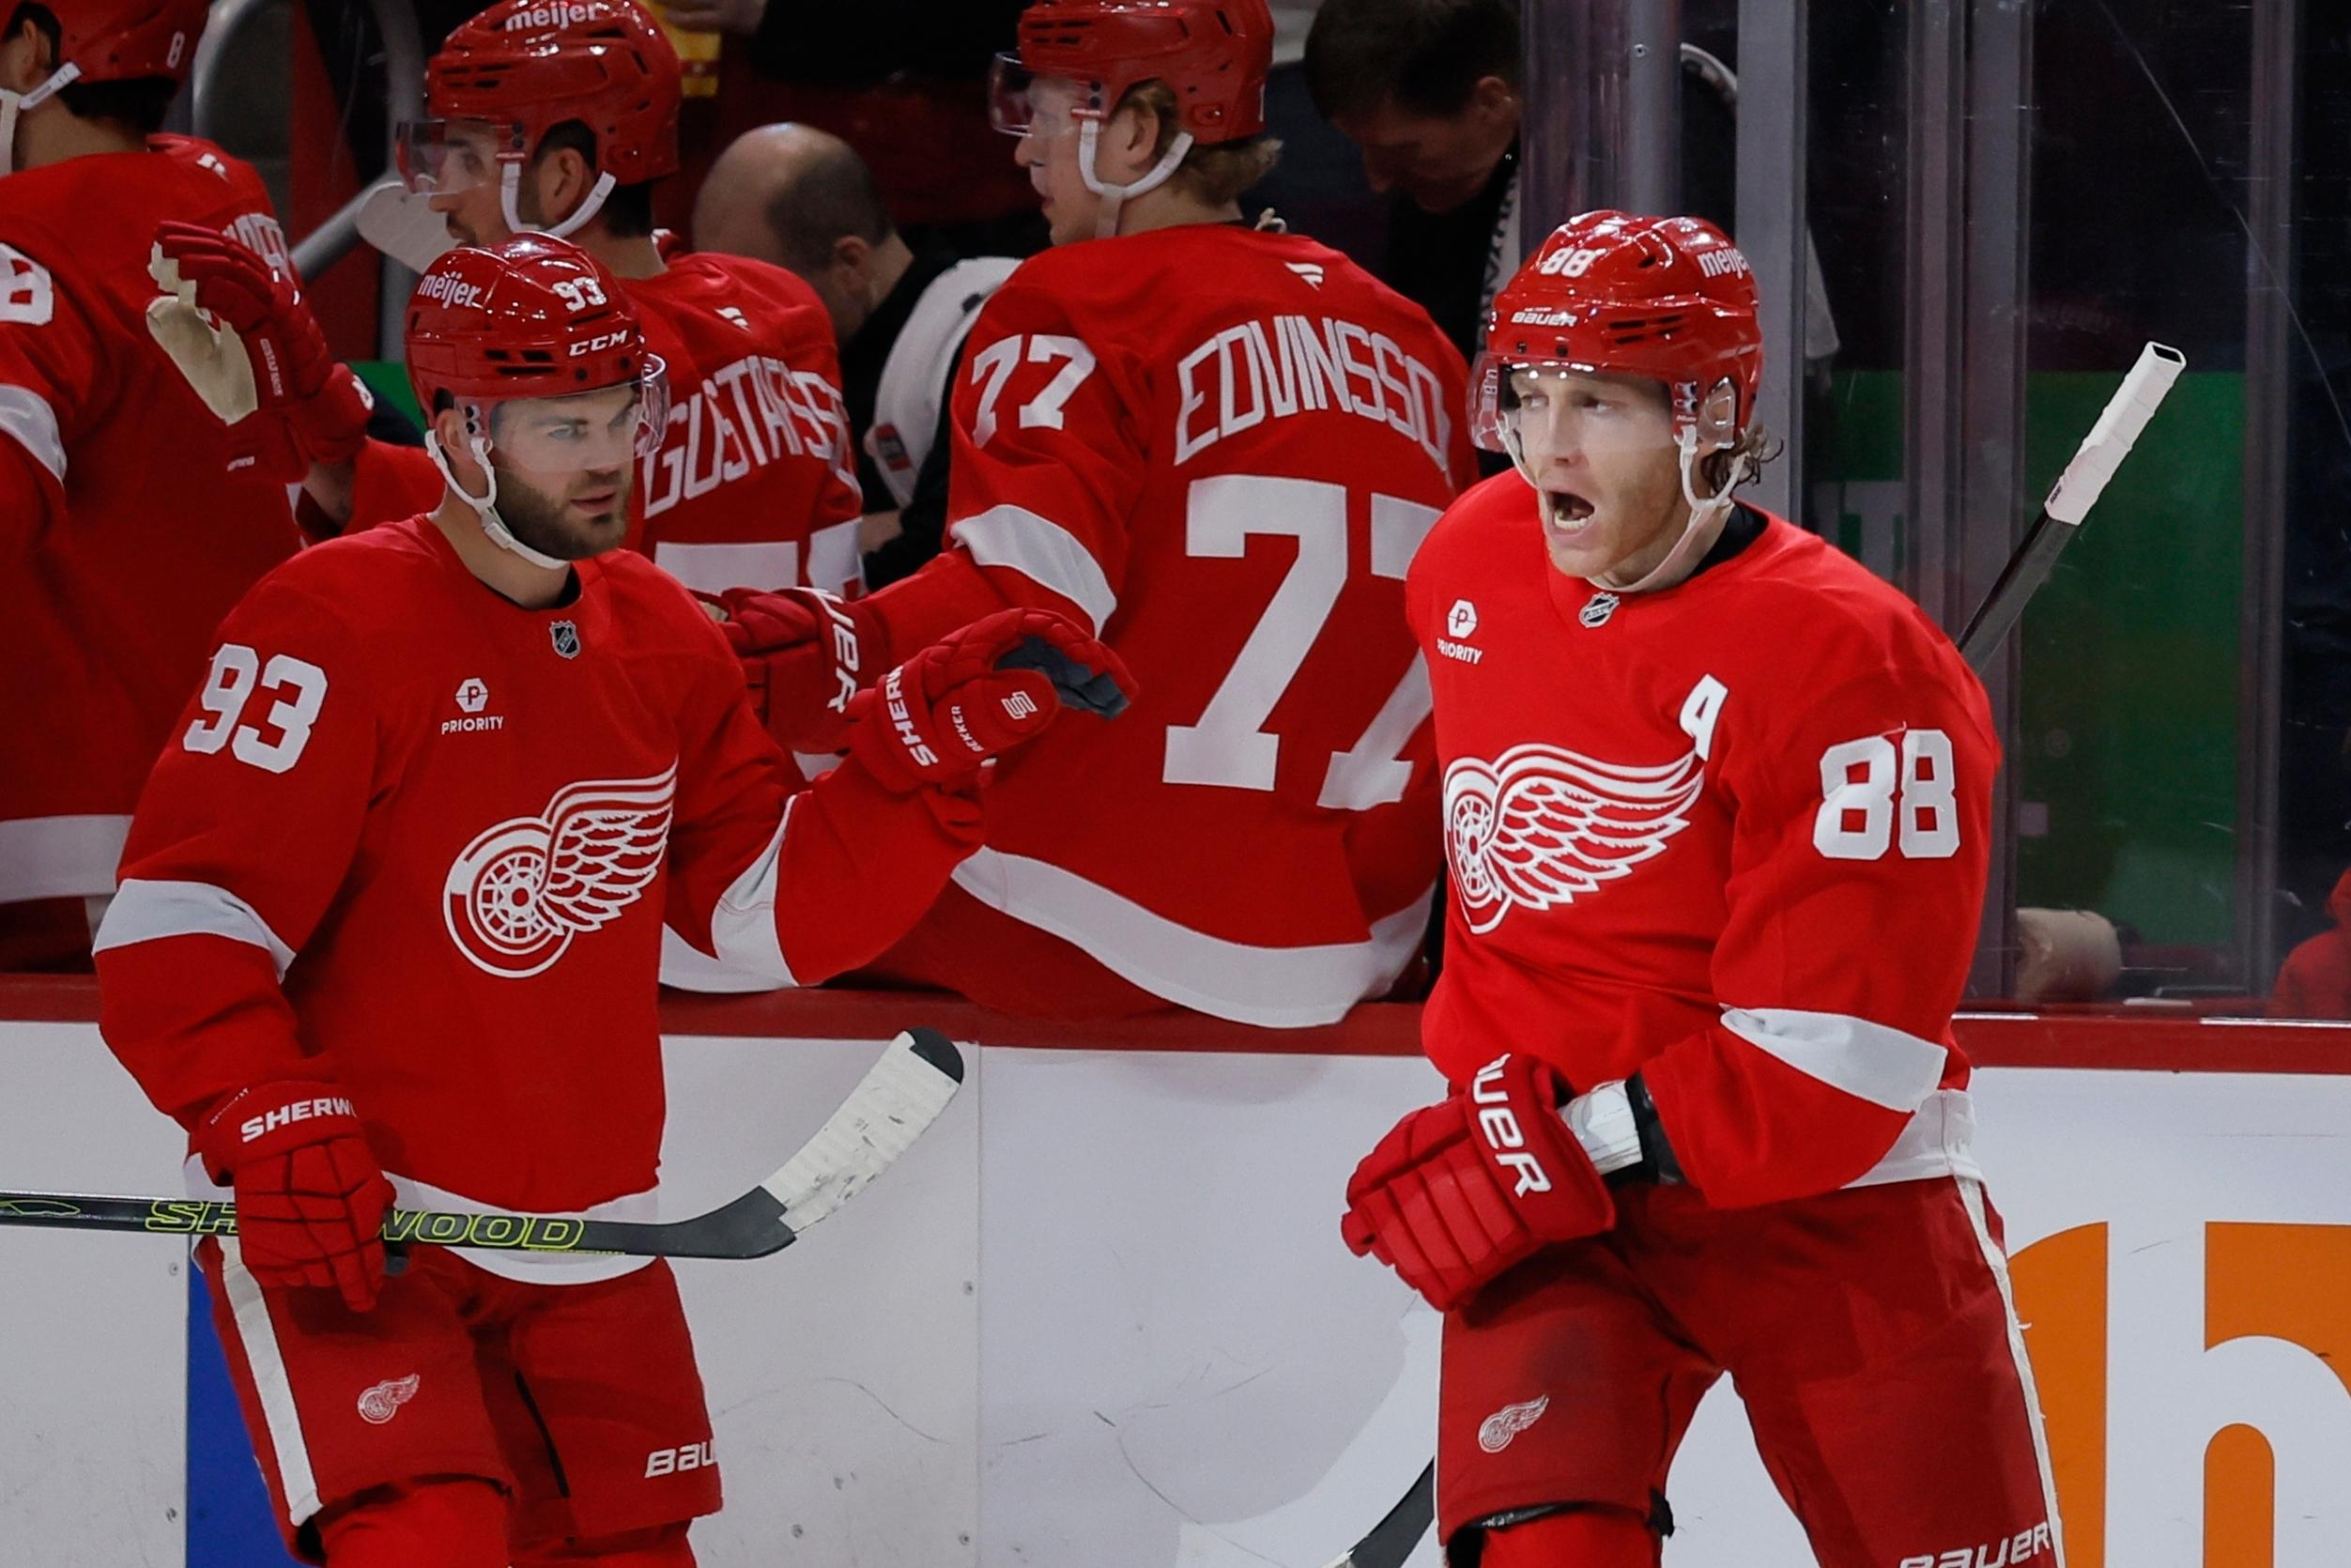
x=449, y=290
x=549, y=16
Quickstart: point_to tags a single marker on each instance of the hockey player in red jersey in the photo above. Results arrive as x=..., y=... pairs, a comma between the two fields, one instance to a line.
x=557, y=119
x=393, y=906
x=1218, y=446
x=129, y=520
x=1716, y=806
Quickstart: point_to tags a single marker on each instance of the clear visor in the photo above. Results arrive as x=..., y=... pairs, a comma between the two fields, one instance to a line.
x=1542, y=409
x=580, y=433
x=442, y=156
x=1023, y=105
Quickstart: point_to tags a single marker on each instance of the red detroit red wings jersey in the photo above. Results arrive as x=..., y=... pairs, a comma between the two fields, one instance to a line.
x=1732, y=835
x=1221, y=448
x=755, y=482
x=129, y=521
x=423, y=842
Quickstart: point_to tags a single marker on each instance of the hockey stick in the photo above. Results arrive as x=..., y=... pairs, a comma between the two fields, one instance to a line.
x=1392, y=1540
x=901, y=1095
x=2069, y=501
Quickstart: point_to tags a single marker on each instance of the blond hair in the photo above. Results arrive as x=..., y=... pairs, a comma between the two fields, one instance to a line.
x=1211, y=172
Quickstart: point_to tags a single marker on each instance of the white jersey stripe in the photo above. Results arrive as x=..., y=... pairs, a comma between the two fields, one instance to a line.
x=745, y=952
x=27, y=416
x=1936, y=1143
x=60, y=857
x=146, y=911
x=1044, y=552
x=1971, y=1194
x=258, y=1336
x=1275, y=988
x=1869, y=1061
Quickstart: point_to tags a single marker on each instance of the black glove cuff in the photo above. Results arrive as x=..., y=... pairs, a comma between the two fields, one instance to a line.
x=1657, y=1158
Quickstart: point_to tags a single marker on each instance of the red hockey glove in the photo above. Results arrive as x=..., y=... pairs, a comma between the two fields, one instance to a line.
x=1461, y=1191
x=976, y=694
x=310, y=1196
x=805, y=654
x=295, y=375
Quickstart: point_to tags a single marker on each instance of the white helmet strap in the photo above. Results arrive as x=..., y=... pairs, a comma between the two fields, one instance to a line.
x=12, y=105
x=1700, y=533
x=510, y=190
x=1115, y=196
x=486, y=504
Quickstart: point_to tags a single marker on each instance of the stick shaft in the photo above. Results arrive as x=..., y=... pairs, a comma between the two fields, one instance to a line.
x=899, y=1097
x=2078, y=489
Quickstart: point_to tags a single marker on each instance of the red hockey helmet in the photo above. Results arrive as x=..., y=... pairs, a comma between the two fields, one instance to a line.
x=529, y=317
x=123, y=40
x=1670, y=299
x=534, y=321
x=523, y=67
x=1213, y=54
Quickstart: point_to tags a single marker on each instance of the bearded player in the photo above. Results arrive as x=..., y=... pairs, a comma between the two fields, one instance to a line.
x=390, y=915
x=119, y=552
x=557, y=120
x=1218, y=447
x=1717, y=804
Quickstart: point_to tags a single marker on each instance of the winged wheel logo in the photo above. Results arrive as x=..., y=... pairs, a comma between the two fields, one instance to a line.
x=520, y=893
x=1540, y=825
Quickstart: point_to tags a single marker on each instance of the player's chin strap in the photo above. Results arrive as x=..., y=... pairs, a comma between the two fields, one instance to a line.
x=13, y=104
x=1115, y=198
x=485, y=506
x=509, y=195
x=1705, y=525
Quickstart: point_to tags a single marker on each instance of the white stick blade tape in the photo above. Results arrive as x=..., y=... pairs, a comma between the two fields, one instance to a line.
x=2111, y=439
x=899, y=1098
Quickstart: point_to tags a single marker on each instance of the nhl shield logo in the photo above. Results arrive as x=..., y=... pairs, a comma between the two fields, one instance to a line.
x=1597, y=611
x=566, y=635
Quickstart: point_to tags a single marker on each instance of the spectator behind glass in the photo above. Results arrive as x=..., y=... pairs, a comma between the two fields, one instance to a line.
x=1428, y=91
x=2315, y=979
x=904, y=80
x=801, y=198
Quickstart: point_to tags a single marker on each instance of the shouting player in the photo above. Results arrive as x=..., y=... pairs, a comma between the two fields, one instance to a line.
x=557, y=119
x=1219, y=447
x=129, y=520
x=1716, y=805
x=392, y=903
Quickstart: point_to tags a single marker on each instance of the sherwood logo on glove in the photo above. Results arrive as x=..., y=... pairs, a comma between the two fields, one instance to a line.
x=1504, y=1135
x=286, y=1116
x=894, y=696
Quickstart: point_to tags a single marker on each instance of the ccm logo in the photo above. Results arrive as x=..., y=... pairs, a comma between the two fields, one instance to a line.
x=1500, y=1124
x=599, y=343
x=286, y=1115
x=676, y=1461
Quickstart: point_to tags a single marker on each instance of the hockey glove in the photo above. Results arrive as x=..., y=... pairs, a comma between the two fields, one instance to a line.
x=963, y=701
x=310, y=1196
x=805, y=654
x=1461, y=1191
x=268, y=356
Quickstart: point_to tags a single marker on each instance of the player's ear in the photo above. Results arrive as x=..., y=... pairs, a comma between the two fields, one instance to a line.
x=1132, y=135
x=564, y=178
x=24, y=56
x=453, y=430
